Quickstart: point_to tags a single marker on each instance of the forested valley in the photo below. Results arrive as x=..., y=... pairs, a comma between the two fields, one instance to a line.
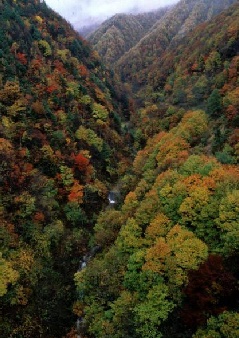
x=119, y=178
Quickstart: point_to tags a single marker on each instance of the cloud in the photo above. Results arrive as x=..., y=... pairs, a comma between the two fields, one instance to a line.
x=85, y=12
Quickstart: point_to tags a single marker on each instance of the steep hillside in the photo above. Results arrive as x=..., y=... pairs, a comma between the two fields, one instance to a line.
x=169, y=261
x=135, y=65
x=118, y=34
x=60, y=150
x=199, y=72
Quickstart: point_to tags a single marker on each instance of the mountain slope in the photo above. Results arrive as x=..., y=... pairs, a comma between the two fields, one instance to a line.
x=179, y=20
x=169, y=261
x=118, y=34
x=199, y=72
x=60, y=149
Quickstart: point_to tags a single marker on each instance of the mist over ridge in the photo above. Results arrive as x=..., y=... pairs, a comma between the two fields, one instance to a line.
x=88, y=12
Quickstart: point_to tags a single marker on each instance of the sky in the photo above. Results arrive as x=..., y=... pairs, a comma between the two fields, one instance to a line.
x=85, y=12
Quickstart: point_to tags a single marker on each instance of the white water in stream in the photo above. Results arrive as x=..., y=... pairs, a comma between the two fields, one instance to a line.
x=113, y=198
x=83, y=263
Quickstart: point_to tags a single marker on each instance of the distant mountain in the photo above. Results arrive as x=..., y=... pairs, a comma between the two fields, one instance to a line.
x=118, y=34
x=135, y=65
x=196, y=72
x=89, y=29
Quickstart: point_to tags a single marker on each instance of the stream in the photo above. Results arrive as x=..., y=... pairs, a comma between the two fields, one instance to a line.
x=113, y=198
x=83, y=263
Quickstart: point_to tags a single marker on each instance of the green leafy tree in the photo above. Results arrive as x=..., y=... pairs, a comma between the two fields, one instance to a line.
x=214, y=104
x=228, y=221
x=226, y=325
x=152, y=312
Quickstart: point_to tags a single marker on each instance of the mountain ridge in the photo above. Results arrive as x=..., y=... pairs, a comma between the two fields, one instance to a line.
x=118, y=34
x=173, y=25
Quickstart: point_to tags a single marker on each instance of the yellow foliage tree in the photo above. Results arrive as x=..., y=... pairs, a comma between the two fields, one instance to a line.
x=8, y=275
x=175, y=255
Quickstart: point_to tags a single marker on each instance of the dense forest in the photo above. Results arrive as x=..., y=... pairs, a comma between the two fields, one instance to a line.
x=61, y=149
x=161, y=132
x=122, y=32
x=175, y=24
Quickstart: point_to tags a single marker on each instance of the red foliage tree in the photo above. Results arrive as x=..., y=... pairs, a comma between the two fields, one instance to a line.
x=211, y=290
x=50, y=89
x=83, y=71
x=81, y=162
x=59, y=66
x=22, y=58
x=76, y=193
